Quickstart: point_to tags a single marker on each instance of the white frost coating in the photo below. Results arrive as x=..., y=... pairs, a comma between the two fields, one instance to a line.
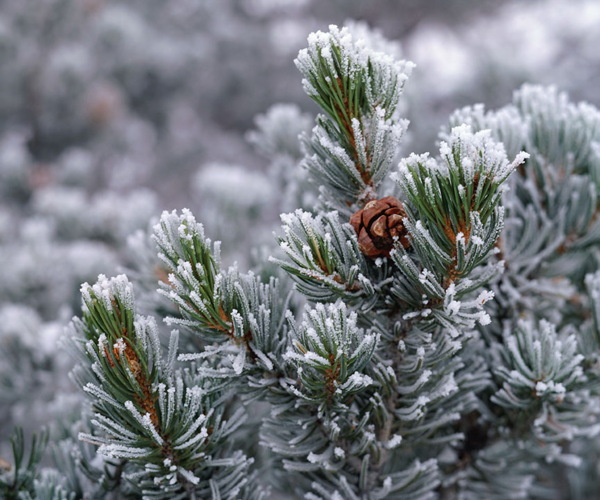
x=312, y=335
x=477, y=241
x=188, y=475
x=356, y=52
x=422, y=400
x=425, y=274
x=551, y=388
x=423, y=378
x=264, y=359
x=426, y=236
x=329, y=324
x=484, y=319
x=123, y=451
x=445, y=149
x=357, y=381
x=145, y=421
x=366, y=343
x=199, y=436
x=370, y=436
x=484, y=297
x=449, y=387
x=479, y=154
x=113, y=427
x=520, y=158
x=338, y=153
x=183, y=233
x=106, y=290
x=404, y=176
x=239, y=361
x=453, y=307
x=316, y=458
x=101, y=394
x=394, y=442
x=85, y=293
x=339, y=453
x=314, y=359
x=120, y=345
x=102, y=343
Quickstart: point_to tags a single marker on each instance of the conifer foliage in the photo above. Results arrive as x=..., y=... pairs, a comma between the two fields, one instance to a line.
x=429, y=329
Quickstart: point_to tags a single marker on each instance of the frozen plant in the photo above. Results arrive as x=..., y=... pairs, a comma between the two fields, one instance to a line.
x=446, y=342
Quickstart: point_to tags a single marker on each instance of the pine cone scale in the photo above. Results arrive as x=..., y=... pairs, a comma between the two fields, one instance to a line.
x=378, y=224
x=379, y=227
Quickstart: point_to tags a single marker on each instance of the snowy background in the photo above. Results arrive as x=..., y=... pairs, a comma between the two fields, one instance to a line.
x=112, y=111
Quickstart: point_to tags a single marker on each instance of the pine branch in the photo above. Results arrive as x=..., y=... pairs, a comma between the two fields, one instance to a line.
x=222, y=306
x=358, y=88
x=553, y=201
x=194, y=283
x=323, y=258
x=330, y=354
x=145, y=411
x=543, y=372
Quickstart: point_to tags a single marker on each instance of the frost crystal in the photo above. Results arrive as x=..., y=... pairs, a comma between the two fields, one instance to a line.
x=394, y=441
x=120, y=346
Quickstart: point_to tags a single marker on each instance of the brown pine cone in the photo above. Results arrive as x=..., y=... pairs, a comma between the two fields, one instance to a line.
x=377, y=224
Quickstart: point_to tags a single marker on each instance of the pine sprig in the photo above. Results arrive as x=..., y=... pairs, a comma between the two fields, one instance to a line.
x=544, y=384
x=454, y=219
x=239, y=312
x=449, y=198
x=194, y=280
x=145, y=411
x=354, y=144
x=322, y=256
x=330, y=354
x=347, y=79
x=120, y=343
x=539, y=347
x=553, y=202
